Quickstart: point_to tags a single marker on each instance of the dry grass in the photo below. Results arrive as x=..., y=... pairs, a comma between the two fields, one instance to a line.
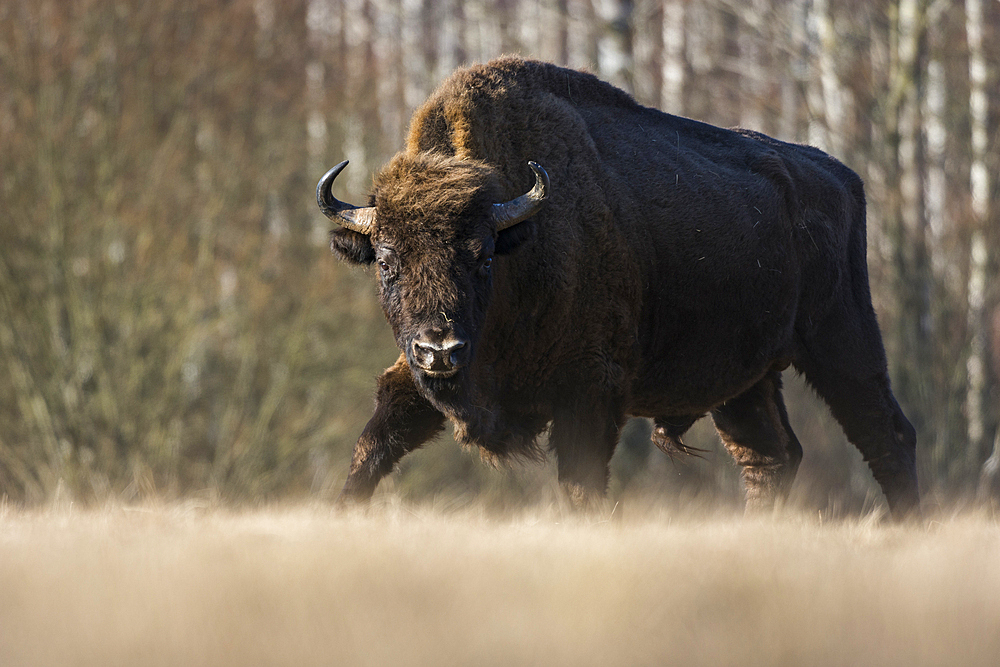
x=178, y=585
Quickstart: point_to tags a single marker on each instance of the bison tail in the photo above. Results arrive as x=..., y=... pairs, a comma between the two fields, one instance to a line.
x=667, y=437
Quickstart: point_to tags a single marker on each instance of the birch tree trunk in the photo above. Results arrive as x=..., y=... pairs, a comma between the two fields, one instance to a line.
x=614, y=46
x=979, y=189
x=674, y=64
x=583, y=34
x=826, y=111
x=906, y=220
x=753, y=68
x=647, y=49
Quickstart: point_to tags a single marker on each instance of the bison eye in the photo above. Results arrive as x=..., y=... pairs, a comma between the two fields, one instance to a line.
x=386, y=270
x=484, y=268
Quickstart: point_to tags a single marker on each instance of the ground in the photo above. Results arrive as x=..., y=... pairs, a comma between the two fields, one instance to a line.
x=182, y=584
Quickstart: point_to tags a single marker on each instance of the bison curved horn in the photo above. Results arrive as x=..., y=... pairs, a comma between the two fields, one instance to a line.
x=517, y=210
x=357, y=218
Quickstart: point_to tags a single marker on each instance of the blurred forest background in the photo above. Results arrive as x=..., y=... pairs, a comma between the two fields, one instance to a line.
x=172, y=321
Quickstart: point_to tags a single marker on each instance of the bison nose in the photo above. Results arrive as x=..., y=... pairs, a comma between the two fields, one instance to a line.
x=437, y=354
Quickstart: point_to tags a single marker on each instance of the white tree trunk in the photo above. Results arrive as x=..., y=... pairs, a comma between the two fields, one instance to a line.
x=416, y=76
x=818, y=29
x=387, y=48
x=614, y=46
x=582, y=34
x=978, y=251
x=672, y=90
x=753, y=70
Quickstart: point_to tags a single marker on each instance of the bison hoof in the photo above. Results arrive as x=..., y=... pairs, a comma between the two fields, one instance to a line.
x=585, y=500
x=353, y=495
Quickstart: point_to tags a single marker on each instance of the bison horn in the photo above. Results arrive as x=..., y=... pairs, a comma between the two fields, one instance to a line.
x=520, y=209
x=357, y=218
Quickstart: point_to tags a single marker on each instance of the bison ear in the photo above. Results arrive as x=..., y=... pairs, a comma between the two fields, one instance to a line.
x=352, y=246
x=511, y=238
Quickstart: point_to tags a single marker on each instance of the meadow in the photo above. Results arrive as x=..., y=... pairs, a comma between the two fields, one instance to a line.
x=397, y=584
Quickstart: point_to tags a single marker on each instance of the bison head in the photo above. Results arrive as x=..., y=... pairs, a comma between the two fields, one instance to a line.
x=433, y=227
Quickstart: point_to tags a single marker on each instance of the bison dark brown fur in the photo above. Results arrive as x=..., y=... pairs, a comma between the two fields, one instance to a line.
x=673, y=270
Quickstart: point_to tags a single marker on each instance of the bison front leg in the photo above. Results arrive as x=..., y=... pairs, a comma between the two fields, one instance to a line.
x=584, y=439
x=403, y=420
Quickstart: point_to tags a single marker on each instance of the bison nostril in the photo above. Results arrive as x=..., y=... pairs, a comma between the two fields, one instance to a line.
x=423, y=353
x=457, y=353
x=447, y=355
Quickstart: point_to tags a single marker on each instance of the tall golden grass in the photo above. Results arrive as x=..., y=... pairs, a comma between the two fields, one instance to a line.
x=399, y=585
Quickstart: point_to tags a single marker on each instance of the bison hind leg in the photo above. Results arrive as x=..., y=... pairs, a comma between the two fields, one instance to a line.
x=755, y=430
x=875, y=424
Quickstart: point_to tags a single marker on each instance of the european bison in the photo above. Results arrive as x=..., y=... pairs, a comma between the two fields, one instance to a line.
x=552, y=254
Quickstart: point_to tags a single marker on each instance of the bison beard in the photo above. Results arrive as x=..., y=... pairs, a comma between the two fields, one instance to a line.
x=669, y=270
